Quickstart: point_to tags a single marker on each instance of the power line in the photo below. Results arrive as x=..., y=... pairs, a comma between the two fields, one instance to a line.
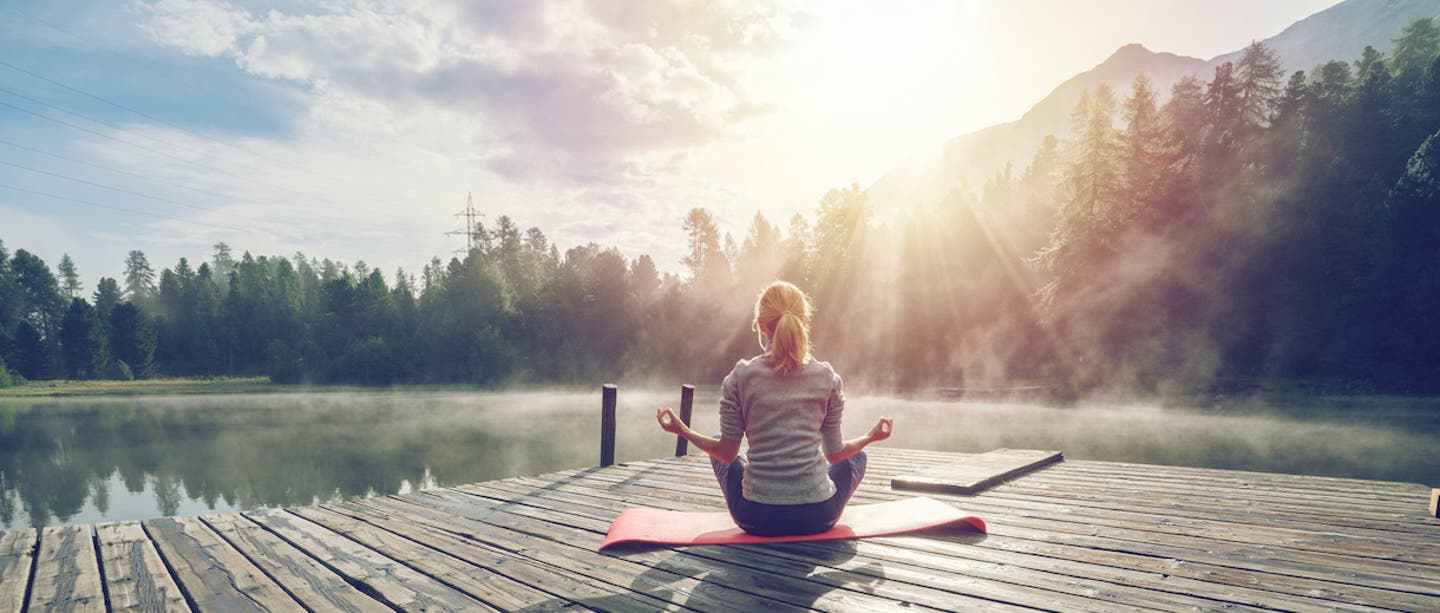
x=159, y=152
x=137, y=112
x=120, y=208
x=32, y=18
x=112, y=169
x=103, y=186
x=111, y=187
x=115, y=104
x=89, y=118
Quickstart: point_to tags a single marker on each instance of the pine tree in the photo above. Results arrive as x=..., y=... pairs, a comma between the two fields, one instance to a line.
x=132, y=339
x=69, y=278
x=1415, y=49
x=1258, y=76
x=82, y=341
x=1141, y=146
x=139, y=278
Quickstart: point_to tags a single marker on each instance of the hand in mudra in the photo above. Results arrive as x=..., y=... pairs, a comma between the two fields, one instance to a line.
x=881, y=430
x=668, y=421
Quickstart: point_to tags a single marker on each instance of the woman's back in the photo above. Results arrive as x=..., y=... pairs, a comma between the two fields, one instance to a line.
x=791, y=420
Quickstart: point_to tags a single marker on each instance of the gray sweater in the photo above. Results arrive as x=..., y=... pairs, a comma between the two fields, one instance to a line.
x=792, y=421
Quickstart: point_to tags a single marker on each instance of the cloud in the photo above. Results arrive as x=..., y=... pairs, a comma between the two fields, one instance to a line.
x=555, y=89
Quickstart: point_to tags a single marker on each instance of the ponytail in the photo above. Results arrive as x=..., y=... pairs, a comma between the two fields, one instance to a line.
x=782, y=312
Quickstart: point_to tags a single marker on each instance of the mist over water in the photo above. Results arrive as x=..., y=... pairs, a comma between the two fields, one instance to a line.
x=77, y=460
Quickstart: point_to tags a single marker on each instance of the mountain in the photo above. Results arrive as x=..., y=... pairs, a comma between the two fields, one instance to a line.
x=1339, y=32
x=970, y=159
x=1342, y=31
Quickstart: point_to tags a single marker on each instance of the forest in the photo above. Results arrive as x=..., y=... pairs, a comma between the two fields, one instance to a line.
x=1254, y=226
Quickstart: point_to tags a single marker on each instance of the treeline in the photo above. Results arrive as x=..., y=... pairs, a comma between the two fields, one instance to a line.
x=1253, y=225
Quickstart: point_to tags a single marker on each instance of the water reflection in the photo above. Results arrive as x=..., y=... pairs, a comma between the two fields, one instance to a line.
x=86, y=460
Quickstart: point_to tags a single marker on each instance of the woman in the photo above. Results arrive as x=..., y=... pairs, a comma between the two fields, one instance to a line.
x=800, y=472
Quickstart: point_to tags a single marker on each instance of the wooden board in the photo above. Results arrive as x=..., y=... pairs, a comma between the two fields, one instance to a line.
x=17, y=554
x=214, y=575
x=1435, y=503
x=379, y=575
x=976, y=473
x=134, y=576
x=67, y=573
x=306, y=580
x=1076, y=536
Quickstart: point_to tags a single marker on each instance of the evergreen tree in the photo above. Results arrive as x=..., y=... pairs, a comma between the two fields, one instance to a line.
x=1258, y=76
x=707, y=263
x=82, y=341
x=32, y=357
x=132, y=339
x=1141, y=146
x=139, y=277
x=44, y=306
x=1415, y=49
x=107, y=296
x=69, y=278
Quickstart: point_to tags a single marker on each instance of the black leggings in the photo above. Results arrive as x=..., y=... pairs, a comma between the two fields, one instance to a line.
x=788, y=519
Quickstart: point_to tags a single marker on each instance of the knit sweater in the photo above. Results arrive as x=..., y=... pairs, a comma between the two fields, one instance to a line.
x=791, y=420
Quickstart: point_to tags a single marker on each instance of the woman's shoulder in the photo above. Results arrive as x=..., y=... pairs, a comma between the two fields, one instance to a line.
x=760, y=366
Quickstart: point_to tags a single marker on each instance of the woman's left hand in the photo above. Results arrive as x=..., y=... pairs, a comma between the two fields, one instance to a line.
x=668, y=421
x=881, y=431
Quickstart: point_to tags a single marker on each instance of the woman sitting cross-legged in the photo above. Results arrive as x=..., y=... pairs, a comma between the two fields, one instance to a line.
x=800, y=473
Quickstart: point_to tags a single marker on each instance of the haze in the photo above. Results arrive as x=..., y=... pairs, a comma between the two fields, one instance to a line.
x=602, y=122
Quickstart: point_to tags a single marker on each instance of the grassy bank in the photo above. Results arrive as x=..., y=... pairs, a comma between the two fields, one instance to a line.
x=221, y=385
x=218, y=385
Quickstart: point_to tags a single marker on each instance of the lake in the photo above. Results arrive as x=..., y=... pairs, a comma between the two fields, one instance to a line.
x=79, y=460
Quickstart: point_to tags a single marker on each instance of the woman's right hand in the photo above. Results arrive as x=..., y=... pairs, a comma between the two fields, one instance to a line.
x=668, y=421
x=881, y=430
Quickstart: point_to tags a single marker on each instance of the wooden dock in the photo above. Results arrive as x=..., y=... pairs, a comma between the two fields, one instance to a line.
x=1071, y=536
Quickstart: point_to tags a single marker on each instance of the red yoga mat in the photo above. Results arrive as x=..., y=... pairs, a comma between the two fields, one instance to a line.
x=716, y=528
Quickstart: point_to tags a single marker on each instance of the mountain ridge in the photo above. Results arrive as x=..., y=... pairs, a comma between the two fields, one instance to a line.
x=967, y=160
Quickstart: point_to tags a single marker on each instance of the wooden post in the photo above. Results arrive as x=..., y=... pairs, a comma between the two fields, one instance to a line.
x=1435, y=503
x=687, y=399
x=607, y=424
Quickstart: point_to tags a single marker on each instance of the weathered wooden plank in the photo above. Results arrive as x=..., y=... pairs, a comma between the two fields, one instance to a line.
x=1250, y=557
x=306, y=580
x=67, y=573
x=781, y=587
x=1409, y=558
x=793, y=581
x=212, y=574
x=1435, y=502
x=135, y=578
x=1340, y=495
x=664, y=582
x=1107, y=564
x=1192, y=506
x=564, y=588
x=17, y=557
x=961, y=559
x=977, y=472
x=380, y=576
x=1397, y=499
x=1397, y=502
x=496, y=589
x=926, y=457
x=1209, y=505
x=871, y=559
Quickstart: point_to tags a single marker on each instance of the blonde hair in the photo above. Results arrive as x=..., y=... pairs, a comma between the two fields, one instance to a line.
x=782, y=315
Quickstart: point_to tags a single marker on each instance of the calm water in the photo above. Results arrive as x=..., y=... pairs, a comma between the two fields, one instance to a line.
x=87, y=460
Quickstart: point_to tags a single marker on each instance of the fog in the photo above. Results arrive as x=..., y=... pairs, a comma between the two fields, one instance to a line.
x=75, y=460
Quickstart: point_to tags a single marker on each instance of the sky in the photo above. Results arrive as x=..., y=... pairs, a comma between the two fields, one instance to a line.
x=354, y=130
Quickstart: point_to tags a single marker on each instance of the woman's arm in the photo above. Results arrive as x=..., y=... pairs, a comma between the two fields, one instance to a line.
x=879, y=432
x=722, y=449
